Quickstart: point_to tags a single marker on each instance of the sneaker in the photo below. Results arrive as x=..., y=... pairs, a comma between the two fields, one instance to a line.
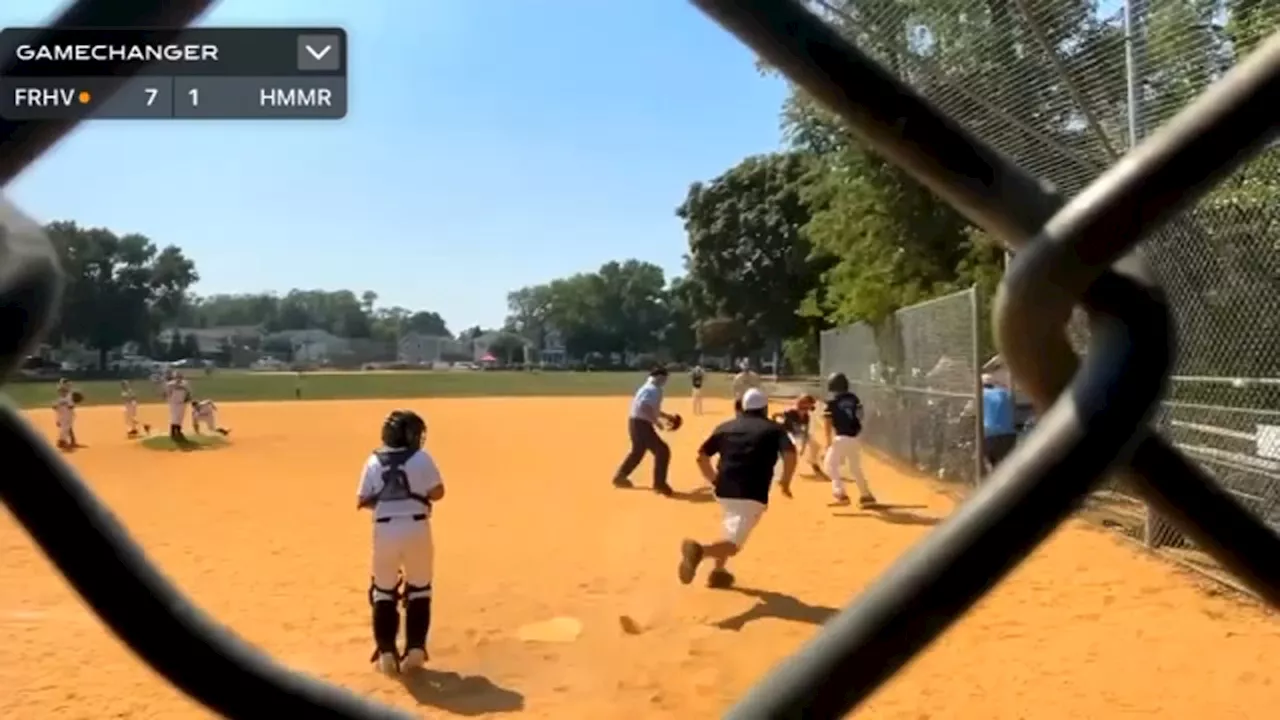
x=720, y=579
x=867, y=501
x=841, y=499
x=690, y=556
x=413, y=660
x=387, y=664
x=622, y=483
x=664, y=490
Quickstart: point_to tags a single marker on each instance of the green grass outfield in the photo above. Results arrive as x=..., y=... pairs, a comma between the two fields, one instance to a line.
x=227, y=386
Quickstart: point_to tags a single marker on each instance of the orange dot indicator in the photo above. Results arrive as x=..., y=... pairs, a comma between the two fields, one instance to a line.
x=85, y=97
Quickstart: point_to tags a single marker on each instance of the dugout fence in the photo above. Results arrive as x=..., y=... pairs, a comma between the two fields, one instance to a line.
x=1094, y=411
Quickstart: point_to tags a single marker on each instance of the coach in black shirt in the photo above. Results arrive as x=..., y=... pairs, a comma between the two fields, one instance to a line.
x=749, y=447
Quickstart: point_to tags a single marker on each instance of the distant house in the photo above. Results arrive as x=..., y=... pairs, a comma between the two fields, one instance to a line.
x=309, y=346
x=212, y=341
x=553, y=350
x=418, y=349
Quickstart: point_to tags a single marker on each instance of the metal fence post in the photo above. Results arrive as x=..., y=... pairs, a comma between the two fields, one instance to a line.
x=979, y=436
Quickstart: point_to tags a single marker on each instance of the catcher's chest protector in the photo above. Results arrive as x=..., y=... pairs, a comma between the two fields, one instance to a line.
x=395, y=481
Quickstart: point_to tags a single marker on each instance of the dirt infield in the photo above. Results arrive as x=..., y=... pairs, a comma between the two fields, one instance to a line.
x=264, y=535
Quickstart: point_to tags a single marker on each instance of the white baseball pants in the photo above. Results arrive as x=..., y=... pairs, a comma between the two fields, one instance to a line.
x=208, y=419
x=739, y=518
x=845, y=450
x=402, y=543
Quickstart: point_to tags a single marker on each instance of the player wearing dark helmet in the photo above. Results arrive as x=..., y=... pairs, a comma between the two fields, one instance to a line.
x=400, y=483
x=842, y=424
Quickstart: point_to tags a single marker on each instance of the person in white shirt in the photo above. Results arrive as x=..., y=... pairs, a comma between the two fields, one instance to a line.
x=64, y=409
x=204, y=413
x=176, y=393
x=130, y=400
x=745, y=380
x=401, y=482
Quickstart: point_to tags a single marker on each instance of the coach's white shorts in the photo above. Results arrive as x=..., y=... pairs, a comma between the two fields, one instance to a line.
x=740, y=517
x=402, y=544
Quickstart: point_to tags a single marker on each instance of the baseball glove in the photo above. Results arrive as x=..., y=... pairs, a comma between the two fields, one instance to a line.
x=672, y=423
x=77, y=397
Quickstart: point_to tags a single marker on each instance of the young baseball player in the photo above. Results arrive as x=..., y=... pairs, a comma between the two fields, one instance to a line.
x=205, y=413
x=745, y=380
x=795, y=420
x=176, y=393
x=64, y=409
x=749, y=447
x=130, y=401
x=696, y=377
x=842, y=421
x=401, y=482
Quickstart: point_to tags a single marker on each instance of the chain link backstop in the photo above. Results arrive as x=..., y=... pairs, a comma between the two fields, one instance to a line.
x=917, y=375
x=1064, y=87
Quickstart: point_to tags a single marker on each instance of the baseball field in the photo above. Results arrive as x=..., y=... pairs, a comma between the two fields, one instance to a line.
x=556, y=594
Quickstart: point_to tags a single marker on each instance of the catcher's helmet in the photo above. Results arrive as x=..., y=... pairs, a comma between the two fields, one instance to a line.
x=404, y=429
x=837, y=383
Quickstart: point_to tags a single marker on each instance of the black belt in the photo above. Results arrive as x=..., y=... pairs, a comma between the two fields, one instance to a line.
x=416, y=518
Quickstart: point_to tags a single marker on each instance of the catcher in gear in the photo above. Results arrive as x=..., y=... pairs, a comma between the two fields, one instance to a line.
x=646, y=413
x=401, y=484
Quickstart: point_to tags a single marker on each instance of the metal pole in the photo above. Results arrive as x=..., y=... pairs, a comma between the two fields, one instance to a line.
x=1150, y=523
x=978, y=435
x=1131, y=73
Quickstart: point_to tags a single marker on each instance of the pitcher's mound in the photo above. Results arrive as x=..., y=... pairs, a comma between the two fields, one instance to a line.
x=163, y=443
x=557, y=630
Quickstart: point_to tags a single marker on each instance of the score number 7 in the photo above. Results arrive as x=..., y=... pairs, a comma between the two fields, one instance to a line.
x=153, y=93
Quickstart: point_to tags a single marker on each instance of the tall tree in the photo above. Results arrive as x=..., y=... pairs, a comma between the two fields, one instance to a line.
x=748, y=247
x=116, y=286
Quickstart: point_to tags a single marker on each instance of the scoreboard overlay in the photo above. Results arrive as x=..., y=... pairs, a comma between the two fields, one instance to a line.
x=214, y=73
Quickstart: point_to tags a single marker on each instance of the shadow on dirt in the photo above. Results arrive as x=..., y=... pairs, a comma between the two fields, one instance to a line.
x=893, y=514
x=775, y=605
x=467, y=695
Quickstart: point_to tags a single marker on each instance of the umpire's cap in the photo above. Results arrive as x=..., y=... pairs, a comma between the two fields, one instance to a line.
x=404, y=429
x=837, y=383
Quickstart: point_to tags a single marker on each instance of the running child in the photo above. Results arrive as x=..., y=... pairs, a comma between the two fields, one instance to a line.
x=796, y=421
x=205, y=412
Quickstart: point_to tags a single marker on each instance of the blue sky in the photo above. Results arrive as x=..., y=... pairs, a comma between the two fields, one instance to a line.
x=490, y=144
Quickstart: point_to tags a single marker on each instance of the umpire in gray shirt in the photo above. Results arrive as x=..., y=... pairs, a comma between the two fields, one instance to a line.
x=646, y=410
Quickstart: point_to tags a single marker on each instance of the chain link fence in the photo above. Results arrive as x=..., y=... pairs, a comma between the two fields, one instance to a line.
x=917, y=375
x=1064, y=88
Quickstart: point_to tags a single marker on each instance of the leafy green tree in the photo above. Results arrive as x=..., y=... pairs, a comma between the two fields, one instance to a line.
x=116, y=286
x=748, y=246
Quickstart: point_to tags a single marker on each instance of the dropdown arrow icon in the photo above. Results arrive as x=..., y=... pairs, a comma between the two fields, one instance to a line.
x=319, y=54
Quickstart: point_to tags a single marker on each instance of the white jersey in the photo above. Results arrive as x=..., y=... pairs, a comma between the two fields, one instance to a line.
x=65, y=410
x=204, y=410
x=175, y=396
x=130, y=402
x=420, y=476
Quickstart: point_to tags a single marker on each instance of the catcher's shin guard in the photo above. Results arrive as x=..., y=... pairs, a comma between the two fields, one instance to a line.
x=417, y=616
x=386, y=619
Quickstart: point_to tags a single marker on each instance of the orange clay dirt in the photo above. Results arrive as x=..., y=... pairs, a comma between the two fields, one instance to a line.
x=532, y=541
